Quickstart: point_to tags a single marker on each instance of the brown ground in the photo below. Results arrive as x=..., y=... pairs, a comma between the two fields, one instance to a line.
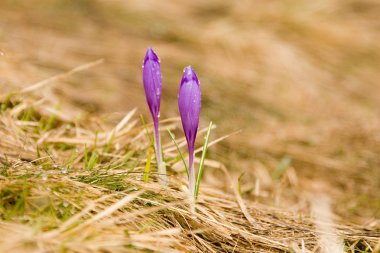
x=300, y=79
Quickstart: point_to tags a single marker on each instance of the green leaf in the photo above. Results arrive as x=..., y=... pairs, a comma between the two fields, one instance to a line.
x=201, y=164
x=147, y=165
x=93, y=160
x=179, y=151
x=151, y=140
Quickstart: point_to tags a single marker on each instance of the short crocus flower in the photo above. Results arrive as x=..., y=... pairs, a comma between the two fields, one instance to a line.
x=189, y=104
x=152, y=79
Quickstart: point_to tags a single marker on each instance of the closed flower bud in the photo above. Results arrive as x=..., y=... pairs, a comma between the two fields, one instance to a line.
x=152, y=79
x=189, y=104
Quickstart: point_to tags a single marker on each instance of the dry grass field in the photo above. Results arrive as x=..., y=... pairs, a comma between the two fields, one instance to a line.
x=292, y=87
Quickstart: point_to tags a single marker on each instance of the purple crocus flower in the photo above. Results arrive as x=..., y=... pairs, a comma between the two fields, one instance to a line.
x=152, y=79
x=189, y=104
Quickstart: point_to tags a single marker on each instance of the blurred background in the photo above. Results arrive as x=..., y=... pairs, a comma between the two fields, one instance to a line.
x=301, y=79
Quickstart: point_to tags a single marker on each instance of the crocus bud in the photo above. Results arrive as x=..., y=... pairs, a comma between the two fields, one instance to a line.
x=189, y=104
x=152, y=79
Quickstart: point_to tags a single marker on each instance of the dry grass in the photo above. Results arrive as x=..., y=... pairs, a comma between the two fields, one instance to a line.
x=300, y=79
x=54, y=199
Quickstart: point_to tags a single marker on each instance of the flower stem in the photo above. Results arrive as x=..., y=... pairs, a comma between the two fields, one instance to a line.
x=162, y=179
x=191, y=180
x=191, y=173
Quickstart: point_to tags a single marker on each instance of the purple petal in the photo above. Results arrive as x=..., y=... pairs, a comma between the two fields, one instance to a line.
x=189, y=103
x=152, y=79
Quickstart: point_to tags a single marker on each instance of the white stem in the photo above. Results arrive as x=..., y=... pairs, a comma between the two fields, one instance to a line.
x=192, y=181
x=162, y=179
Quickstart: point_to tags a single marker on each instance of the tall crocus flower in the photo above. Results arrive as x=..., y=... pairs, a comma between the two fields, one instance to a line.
x=152, y=79
x=189, y=104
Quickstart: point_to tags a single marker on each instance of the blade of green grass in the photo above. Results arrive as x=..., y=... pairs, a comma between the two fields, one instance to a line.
x=109, y=143
x=239, y=183
x=179, y=151
x=128, y=156
x=147, y=131
x=96, y=139
x=281, y=168
x=51, y=120
x=201, y=164
x=151, y=149
x=147, y=166
x=85, y=156
x=93, y=160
